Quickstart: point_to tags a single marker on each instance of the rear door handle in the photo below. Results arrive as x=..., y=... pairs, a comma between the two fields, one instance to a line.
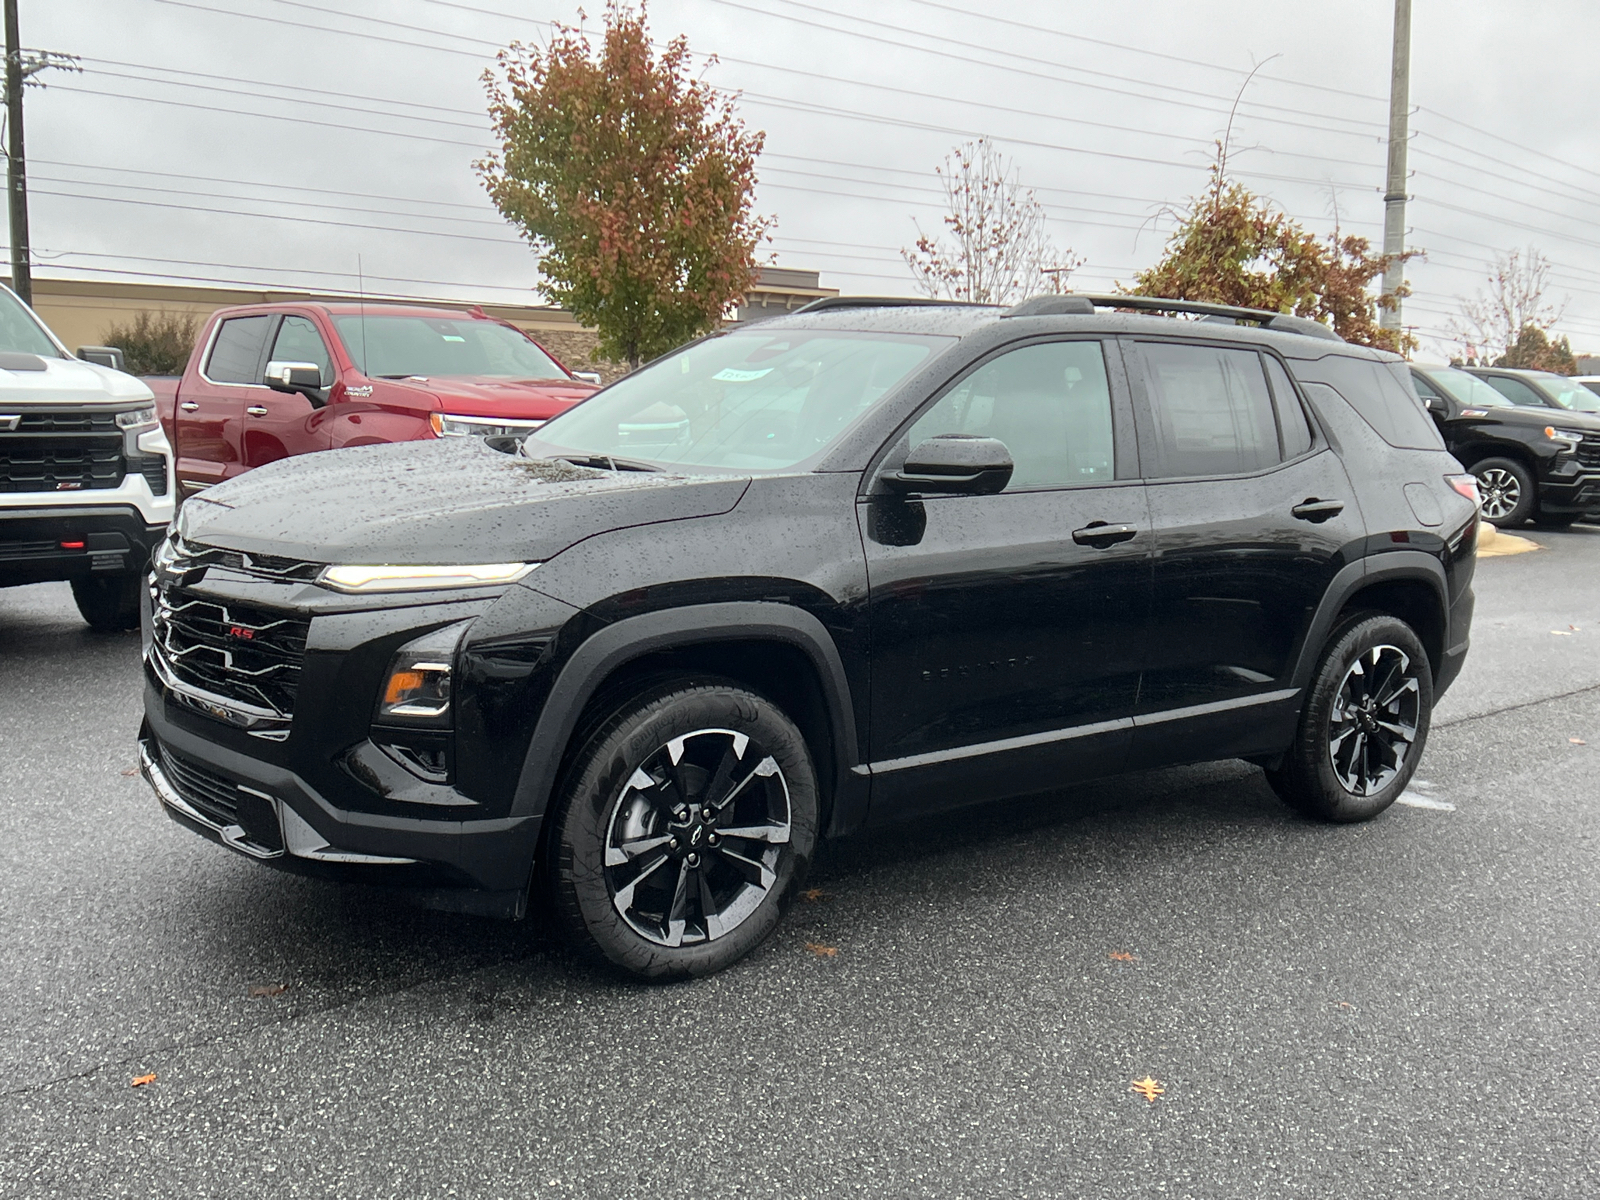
x=189, y=406
x=1316, y=511
x=1100, y=535
x=255, y=410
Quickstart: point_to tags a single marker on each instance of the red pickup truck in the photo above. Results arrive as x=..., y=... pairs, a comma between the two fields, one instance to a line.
x=266, y=381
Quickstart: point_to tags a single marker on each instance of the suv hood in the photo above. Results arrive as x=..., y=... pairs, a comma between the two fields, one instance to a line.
x=476, y=396
x=70, y=381
x=438, y=502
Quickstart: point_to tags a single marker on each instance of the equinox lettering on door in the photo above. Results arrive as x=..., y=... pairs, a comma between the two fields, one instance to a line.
x=965, y=670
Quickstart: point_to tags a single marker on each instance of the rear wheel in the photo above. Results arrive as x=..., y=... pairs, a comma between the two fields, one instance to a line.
x=1507, y=490
x=684, y=830
x=1364, y=724
x=110, y=605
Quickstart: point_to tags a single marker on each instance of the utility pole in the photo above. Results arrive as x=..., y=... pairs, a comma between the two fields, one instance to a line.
x=16, y=172
x=1394, y=195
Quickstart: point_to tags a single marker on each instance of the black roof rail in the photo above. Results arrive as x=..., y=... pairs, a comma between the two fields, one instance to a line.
x=832, y=302
x=1277, y=322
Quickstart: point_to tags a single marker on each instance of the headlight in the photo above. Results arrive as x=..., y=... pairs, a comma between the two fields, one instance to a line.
x=447, y=425
x=1568, y=439
x=362, y=580
x=136, y=418
x=416, y=691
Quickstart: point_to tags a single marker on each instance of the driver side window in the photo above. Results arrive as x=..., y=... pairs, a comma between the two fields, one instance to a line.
x=299, y=341
x=1050, y=403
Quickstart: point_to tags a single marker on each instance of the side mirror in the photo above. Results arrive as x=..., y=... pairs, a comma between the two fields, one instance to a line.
x=296, y=378
x=105, y=356
x=588, y=377
x=959, y=464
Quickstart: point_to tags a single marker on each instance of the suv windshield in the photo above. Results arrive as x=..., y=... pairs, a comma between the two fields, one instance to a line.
x=1465, y=389
x=743, y=401
x=1567, y=393
x=394, y=347
x=19, y=332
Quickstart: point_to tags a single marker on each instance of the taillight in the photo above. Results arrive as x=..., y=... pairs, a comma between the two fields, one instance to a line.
x=1465, y=485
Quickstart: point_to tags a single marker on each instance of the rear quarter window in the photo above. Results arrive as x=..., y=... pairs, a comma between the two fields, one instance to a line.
x=1381, y=393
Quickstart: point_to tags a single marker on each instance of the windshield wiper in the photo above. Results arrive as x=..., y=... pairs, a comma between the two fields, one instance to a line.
x=605, y=462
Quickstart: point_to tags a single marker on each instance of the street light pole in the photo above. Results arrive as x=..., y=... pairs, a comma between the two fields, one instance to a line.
x=1394, y=195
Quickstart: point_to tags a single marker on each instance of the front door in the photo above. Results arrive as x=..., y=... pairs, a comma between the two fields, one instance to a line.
x=212, y=401
x=1006, y=630
x=1253, y=515
x=280, y=424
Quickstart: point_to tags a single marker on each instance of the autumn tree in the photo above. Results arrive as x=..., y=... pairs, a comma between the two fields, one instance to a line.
x=1233, y=247
x=995, y=247
x=632, y=179
x=1509, y=323
x=1535, y=350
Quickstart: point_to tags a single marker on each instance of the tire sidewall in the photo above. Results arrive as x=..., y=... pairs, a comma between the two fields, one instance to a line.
x=616, y=750
x=1317, y=789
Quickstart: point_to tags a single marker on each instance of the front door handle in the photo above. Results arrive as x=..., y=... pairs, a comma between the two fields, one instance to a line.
x=189, y=406
x=256, y=410
x=1316, y=511
x=1100, y=535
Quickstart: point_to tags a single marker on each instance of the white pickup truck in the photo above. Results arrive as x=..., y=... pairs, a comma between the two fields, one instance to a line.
x=86, y=483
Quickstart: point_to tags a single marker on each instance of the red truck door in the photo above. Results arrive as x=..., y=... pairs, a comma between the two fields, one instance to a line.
x=212, y=399
x=280, y=424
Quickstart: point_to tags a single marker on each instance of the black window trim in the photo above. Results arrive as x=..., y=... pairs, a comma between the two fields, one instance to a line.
x=1144, y=411
x=1117, y=384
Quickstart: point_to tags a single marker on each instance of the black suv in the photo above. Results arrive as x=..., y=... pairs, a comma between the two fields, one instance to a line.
x=858, y=565
x=1534, y=459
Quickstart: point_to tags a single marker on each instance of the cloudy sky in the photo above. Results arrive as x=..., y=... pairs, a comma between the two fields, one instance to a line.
x=276, y=142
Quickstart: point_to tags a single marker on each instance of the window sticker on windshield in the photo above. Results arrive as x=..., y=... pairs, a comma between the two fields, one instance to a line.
x=735, y=375
x=452, y=337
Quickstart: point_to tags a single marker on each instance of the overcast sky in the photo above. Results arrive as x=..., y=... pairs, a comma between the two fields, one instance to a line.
x=276, y=141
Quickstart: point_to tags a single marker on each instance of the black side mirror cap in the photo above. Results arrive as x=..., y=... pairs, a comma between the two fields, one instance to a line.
x=104, y=356
x=960, y=464
x=296, y=378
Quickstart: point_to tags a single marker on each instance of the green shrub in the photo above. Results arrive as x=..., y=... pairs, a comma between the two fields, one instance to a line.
x=155, y=343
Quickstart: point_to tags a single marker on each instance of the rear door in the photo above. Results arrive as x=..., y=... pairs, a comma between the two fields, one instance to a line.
x=212, y=400
x=1253, y=515
x=1007, y=630
x=280, y=424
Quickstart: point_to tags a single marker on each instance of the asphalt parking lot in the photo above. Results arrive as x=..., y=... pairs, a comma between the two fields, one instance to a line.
x=1405, y=1008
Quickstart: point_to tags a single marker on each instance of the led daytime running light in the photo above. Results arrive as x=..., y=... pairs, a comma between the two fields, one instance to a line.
x=364, y=579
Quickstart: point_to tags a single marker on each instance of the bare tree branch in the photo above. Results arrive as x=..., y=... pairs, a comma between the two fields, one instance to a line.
x=1490, y=323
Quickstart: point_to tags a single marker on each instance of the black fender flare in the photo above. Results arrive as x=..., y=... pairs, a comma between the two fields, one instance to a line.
x=1350, y=579
x=627, y=639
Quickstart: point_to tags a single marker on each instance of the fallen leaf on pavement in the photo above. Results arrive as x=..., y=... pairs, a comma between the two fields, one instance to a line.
x=1123, y=956
x=814, y=894
x=1577, y=741
x=268, y=989
x=1148, y=1088
x=822, y=951
x=141, y=1080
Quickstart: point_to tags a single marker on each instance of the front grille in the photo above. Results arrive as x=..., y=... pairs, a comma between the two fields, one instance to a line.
x=207, y=791
x=241, y=651
x=51, y=464
x=1589, y=450
x=15, y=550
x=68, y=422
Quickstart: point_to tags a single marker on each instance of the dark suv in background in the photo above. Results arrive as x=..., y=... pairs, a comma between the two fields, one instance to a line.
x=858, y=565
x=1534, y=458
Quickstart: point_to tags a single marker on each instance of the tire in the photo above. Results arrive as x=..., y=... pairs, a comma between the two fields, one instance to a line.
x=1325, y=774
x=110, y=605
x=641, y=878
x=1509, y=491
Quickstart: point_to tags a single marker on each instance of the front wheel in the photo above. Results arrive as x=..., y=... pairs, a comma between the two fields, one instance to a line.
x=685, y=829
x=1507, y=491
x=1364, y=724
x=110, y=605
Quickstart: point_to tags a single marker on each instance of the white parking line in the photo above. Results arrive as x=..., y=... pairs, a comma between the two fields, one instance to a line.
x=1414, y=798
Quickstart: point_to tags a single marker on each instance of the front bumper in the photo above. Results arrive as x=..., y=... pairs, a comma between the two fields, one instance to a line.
x=272, y=815
x=38, y=545
x=1569, y=488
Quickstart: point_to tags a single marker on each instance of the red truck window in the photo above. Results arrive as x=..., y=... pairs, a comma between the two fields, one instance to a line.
x=236, y=354
x=299, y=341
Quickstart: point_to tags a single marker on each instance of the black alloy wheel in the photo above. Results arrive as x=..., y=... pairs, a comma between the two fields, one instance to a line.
x=684, y=829
x=1364, y=723
x=1506, y=491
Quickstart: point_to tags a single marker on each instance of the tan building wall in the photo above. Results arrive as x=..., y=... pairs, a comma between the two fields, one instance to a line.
x=82, y=311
